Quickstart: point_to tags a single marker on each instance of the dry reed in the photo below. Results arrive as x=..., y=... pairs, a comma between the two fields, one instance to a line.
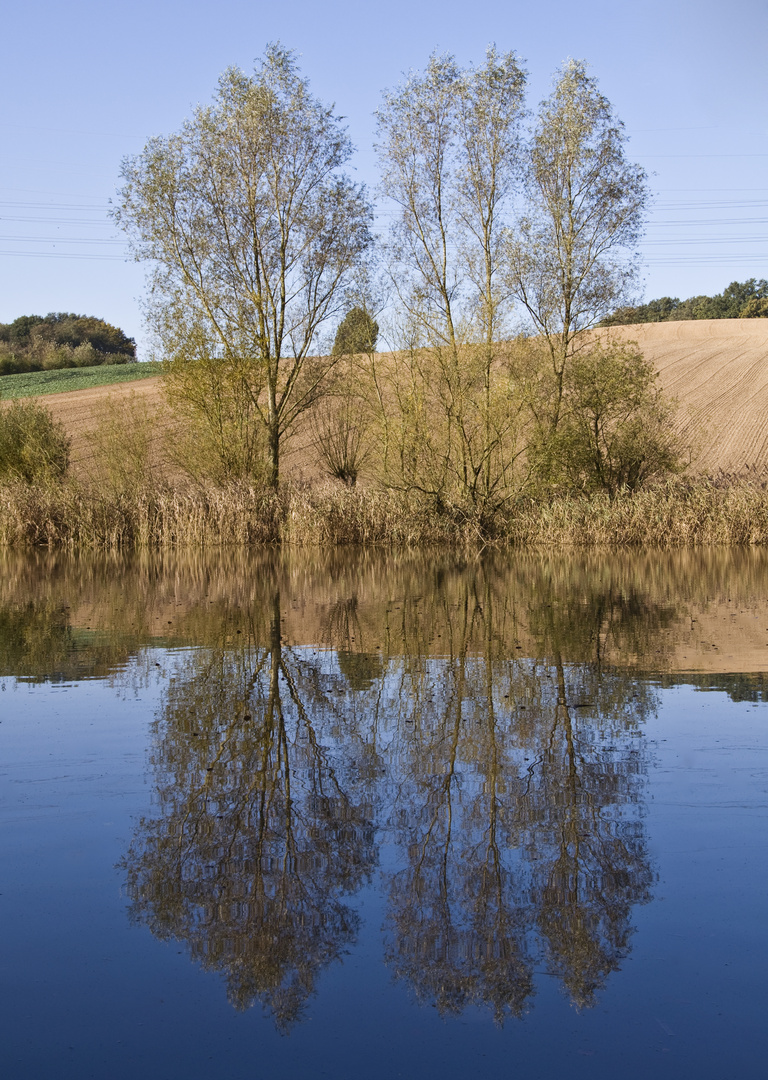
x=726, y=510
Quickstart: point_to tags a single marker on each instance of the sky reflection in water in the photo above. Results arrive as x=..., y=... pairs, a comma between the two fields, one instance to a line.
x=430, y=818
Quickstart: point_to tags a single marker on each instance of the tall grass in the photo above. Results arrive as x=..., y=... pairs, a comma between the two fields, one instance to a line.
x=727, y=510
x=703, y=511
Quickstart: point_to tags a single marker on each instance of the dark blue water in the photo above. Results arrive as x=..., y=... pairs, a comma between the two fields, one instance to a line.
x=437, y=832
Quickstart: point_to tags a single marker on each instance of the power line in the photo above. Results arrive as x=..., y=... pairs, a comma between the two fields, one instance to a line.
x=709, y=260
x=699, y=208
x=718, y=156
x=57, y=240
x=696, y=221
x=58, y=194
x=54, y=221
x=713, y=189
x=64, y=255
x=56, y=206
x=707, y=240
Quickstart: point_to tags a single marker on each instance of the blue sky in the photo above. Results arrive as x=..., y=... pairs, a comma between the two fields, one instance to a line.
x=86, y=83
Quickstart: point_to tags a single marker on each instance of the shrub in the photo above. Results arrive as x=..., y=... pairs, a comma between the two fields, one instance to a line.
x=123, y=446
x=33, y=446
x=340, y=437
x=616, y=429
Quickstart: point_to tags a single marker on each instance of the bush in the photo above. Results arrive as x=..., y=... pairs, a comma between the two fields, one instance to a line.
x=123, y=446
x=616, y=429
x=33, y=446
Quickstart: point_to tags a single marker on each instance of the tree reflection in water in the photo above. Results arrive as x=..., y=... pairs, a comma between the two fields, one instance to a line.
x=256, y=842
x=519, y=811
x=510, y=786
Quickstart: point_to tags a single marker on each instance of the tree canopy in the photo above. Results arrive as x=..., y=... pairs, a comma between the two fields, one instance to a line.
x=573, y=255
x=740, y=299
x=253, y=231
x=358, y=332
x=61, y=339
x=258, y=242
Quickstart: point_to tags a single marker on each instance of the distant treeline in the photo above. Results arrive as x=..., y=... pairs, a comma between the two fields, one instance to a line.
x=740, y=300
x=61, y=340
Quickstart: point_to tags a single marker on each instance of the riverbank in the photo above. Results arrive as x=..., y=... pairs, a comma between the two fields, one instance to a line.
x=703, y=511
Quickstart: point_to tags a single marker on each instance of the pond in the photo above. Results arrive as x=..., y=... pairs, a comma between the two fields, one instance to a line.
x=270, y=815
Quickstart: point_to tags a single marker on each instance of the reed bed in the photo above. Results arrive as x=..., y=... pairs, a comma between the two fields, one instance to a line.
x=706, y=511
x=723, y=510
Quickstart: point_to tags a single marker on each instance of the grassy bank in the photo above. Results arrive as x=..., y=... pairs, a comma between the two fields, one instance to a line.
x=721, y=511
x=37, y=383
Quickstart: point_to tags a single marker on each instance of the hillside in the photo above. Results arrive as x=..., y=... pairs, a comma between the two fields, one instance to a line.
x=81, y=410
x=717, y=369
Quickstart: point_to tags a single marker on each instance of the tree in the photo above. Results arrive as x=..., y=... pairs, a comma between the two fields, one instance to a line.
x=734, y=298
x=449, y=144
x=254, y=231
x=572, y=260
x=756, y=308
x=60, y=340
x=358, y=332
x=740, y=299
x=615, y=429
x=665, y=309
x=256, y=843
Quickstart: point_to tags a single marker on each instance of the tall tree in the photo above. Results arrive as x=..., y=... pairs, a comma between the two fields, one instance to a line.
x=449, y=145
x=253, y=230
x=572, y=258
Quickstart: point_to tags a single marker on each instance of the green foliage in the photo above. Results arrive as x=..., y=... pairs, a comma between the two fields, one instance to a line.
x=39, y=383
x=218, y=433
x=451, y=150
x=358, y=333
x=33, y=446
x=61, y=340
x=732, y=303
x=123, y=443
x=616, y=429
x=756, y=308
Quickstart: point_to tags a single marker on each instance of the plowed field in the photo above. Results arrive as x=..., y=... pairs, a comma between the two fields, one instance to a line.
x=717, y=369
x=81, y=410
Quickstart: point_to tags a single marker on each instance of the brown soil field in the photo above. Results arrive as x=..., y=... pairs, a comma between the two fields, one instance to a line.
x=717, y=369
x=80, y=411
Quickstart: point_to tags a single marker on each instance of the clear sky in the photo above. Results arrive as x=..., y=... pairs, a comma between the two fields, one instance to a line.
x=85, y=83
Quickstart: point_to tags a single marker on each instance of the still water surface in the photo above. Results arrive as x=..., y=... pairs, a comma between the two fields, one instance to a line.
x=271, y=816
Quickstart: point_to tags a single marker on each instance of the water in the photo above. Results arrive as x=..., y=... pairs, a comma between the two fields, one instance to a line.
x=355, y=816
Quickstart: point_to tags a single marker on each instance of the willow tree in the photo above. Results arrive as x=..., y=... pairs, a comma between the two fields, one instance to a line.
x=253, y=230
x=449, y=144
x=572, y=258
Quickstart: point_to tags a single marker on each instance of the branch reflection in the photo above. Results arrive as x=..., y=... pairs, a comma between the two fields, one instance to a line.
x=520, y=806
x=506, y=783
x=256, y=842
